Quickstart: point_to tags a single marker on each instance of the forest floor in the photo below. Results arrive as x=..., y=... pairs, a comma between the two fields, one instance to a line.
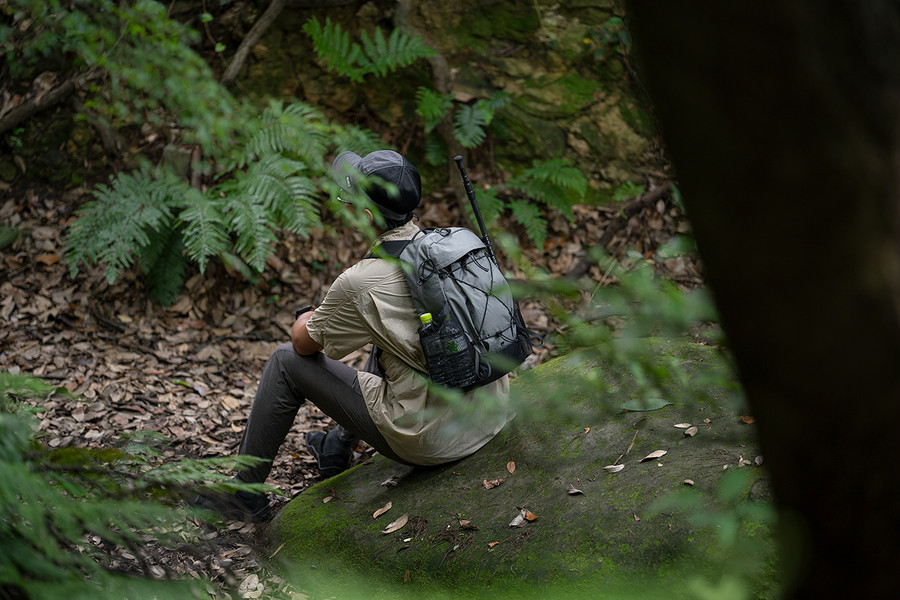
x=189, y=371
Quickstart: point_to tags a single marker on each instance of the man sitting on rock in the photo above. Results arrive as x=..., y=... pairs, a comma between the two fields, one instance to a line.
x=388, y=404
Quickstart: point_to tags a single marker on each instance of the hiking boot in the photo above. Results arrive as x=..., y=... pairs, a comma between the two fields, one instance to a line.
x=239, y=506
x=332, y=453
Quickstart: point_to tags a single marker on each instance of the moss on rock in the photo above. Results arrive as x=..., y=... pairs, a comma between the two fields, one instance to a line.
x=607, y=535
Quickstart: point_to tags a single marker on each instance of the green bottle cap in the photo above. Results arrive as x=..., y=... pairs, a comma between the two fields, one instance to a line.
x=425, y=318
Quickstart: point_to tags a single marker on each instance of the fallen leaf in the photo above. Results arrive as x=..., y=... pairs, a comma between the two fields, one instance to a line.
x=691, y=431
x=382, y=510
x=529, y=516
x=406, y=577
x=466, y=524
x=511, y=467
x=636, y=518
x=519, y=521
x=492, y=483
x=48, y=259
x=654, y=454
x=396, y=525
x=758, y=460
x=613, y=468
x=392, y=480
x=747, y=419
x=682, y=425
x=689, y=482
x=707, y=421
x=327, y=499
x=492, y=544
x=573, y=491
x=586, y=430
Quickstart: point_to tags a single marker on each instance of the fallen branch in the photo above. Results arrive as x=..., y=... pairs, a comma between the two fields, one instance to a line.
x=252, y=38
x=35, y=105
x=628, y=210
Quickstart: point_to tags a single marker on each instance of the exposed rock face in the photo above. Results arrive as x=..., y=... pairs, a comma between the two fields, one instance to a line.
x=566, y=68
x=457, y=524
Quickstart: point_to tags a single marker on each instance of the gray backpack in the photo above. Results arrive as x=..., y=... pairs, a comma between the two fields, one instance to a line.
x=454, y=275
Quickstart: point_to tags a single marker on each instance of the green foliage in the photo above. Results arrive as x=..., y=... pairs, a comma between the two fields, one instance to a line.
x=627, y=191
x=728, y=518
x=553, y=183
x=144, y=58
x=121, y=220
x=469, y=126
x=432, y=106
x=264, y=187
x=528, y=215
x=65, y=512
x=376, y=56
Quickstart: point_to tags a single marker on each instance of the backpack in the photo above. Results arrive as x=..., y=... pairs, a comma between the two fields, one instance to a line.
x=454, y=276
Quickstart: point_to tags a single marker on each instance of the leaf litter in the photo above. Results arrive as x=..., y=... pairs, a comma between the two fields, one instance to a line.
x=120, y=353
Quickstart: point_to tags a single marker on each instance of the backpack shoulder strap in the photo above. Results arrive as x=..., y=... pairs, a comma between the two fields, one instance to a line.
x=394, y=247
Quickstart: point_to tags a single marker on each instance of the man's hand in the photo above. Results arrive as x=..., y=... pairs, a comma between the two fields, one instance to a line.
x=303, y=344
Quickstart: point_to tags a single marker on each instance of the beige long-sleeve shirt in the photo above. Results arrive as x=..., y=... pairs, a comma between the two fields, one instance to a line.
x=370, y=303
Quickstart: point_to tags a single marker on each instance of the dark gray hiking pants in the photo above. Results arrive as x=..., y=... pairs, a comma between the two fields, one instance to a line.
x=287, y=380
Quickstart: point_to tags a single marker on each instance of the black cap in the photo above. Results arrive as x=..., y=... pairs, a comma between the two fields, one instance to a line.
x=387, y=165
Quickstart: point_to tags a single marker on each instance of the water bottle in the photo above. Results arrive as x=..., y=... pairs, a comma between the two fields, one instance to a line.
x=458, y=368
x=430, y=338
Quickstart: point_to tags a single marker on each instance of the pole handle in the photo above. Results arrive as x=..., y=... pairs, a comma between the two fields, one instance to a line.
x=471, y=195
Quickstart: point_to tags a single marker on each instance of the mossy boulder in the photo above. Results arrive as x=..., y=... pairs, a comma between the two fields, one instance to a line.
x=592, y=528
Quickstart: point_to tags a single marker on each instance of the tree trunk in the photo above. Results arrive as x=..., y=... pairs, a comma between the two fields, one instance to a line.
x=783, y=123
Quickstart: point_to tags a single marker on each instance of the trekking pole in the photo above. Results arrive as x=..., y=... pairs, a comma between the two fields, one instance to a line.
x=471, y=194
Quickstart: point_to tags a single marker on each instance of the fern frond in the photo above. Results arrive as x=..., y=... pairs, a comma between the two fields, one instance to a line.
x=203, y=221
x=269, y=196
x=469, y=126
x=435, y=150
x=432, y=106
x=529, y=216
x=491, y=204
x=359, y=140
x=119, y=223
x=164, y=265
x=490, y=106
x=295, y=129
x=333, y=47
x=399, y=50
x=377, y=55
x=554, y=182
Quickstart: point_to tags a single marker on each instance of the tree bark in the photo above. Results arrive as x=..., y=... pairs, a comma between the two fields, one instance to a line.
x=783, y=123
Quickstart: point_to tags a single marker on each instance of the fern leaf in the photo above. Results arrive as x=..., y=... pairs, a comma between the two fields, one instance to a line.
x=529, y=216
x=554, y=182
x=333, y=47
x=435, y=150
x=488, y=107
x=361, y=141
x=119, y=223
x=269, y=196
x=432, y=106
x=203, y=222
x=164, y=266
x=469, y=126
x=491, y=204
x=296, y=129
